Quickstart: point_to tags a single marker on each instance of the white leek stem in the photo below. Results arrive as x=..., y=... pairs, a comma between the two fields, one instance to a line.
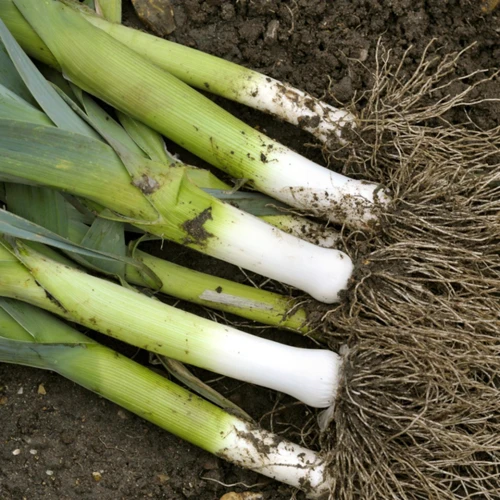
x=292, y=105
x=322, y=272
x=268, y=454
x=301, y=183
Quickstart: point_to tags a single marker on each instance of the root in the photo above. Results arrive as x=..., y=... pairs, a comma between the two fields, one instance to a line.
x=418, y=415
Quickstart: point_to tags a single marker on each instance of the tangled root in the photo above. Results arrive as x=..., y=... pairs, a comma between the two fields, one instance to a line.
x=418, y=415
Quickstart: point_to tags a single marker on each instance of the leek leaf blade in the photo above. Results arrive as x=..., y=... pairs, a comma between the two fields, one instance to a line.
x=43, y=206
x=42, y=91
x=9, y=77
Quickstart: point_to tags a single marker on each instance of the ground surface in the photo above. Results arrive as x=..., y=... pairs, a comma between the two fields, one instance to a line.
x=63, y=433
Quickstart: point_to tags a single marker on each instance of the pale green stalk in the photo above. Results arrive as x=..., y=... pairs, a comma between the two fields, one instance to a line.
x=224, y=295
x=49, y=209
x=311, y=375
x=46, y=342
x=229, y=80
x=211, y=291
x=111, y=10
x=163, y=202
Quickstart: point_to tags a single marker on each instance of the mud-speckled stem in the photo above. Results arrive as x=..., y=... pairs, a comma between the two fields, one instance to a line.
x=311, y=375
x=166, y=203
x=232, y=81
x=224, y=295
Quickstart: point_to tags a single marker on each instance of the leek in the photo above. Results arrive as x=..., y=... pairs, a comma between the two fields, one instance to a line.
x=49, y=209
x=310, y=375
x=106, y=68
x=31, y=337
x=151, y=142
x=168, y=205
x=232, y=81
x=156, y=199
x=258, y=305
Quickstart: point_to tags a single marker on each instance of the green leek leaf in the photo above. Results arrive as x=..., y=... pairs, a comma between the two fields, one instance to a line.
x=42, y=91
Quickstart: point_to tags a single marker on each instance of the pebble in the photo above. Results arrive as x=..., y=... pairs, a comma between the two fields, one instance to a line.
x=271, y=32
x=246, y=495
x=162, y=478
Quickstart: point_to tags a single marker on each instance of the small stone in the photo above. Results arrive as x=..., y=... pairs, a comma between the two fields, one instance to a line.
x=49, y=472
x=271, y=31
x=17, y=451
x=246, y=495
x=157, y=16
x=41, y=390
x=20, y=391
x=33, y=452
x=162, y=478
x=3, y=400
x=97, y=476
x=122, y=414
x=363, y=55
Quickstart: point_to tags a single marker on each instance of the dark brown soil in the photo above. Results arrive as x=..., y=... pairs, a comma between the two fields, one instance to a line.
x=67, y=435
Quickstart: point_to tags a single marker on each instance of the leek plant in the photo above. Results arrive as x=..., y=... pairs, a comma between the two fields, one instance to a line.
x=32, y=337
x=162, y=201
x=311, y=375
x=108, y=69
x=52, y=211
x=232, y=81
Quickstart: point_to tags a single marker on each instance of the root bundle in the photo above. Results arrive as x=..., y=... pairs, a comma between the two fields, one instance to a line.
x=418, y=416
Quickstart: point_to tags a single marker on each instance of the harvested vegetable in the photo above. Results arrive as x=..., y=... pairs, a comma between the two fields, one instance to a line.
x=31, y=337
x=159, y=200
x=311, y=375
x=52, y=211
x=107, y=69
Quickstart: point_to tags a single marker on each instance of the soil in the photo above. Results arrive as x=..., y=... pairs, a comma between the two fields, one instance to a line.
x=59, y=441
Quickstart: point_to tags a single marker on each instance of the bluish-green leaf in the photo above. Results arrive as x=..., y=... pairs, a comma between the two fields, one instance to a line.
x=47, y=98
x=108, y=236
x=13, y=107
x=10, y=78
x=17, y=227
x=43, y=206
x=38, y=326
